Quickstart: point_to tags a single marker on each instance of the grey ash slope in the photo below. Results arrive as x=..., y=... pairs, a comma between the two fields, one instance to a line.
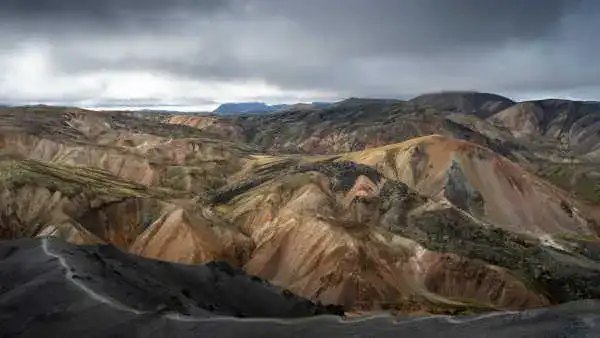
x=52, y=289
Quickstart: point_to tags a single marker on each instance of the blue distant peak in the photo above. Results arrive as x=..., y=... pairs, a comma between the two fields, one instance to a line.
x=243, y=107
x=256, y=107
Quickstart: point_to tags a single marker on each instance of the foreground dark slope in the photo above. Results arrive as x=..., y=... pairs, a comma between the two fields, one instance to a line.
x=53, y=289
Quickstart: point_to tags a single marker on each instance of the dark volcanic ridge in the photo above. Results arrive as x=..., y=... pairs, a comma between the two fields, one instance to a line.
x=53, y=289
x=143, y=286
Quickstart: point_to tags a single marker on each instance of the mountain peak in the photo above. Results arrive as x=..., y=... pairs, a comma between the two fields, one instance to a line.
x=471, y=102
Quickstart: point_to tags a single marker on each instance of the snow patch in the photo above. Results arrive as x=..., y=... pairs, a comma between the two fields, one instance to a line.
x=548, y=241
x=143, y=145
x=417, y=259
x=457, y=320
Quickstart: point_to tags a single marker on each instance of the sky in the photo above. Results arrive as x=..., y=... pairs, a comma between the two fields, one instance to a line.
x=196, y=54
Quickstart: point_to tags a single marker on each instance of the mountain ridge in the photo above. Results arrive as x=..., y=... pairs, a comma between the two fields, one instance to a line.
x=411, y=206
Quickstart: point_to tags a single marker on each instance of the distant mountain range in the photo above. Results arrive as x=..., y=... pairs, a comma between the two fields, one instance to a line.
x=261, y=107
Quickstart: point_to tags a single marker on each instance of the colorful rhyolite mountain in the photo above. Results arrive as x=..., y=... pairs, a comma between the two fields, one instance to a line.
x=413, y=206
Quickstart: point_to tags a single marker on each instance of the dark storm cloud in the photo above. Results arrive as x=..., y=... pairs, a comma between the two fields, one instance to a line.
x=108, y=13
x=39, y=8
x=349, y=47
x=424, y=25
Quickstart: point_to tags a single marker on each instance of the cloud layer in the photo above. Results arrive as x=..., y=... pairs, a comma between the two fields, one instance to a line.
x=199, y=53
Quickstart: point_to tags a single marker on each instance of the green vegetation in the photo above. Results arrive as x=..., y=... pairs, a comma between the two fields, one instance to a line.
x=571, y=237
x=465, y=308
x=150, y=217
x=69, y=180
x=456, y=307
x=572, y=177
x=13, y=175
x=542, y=268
